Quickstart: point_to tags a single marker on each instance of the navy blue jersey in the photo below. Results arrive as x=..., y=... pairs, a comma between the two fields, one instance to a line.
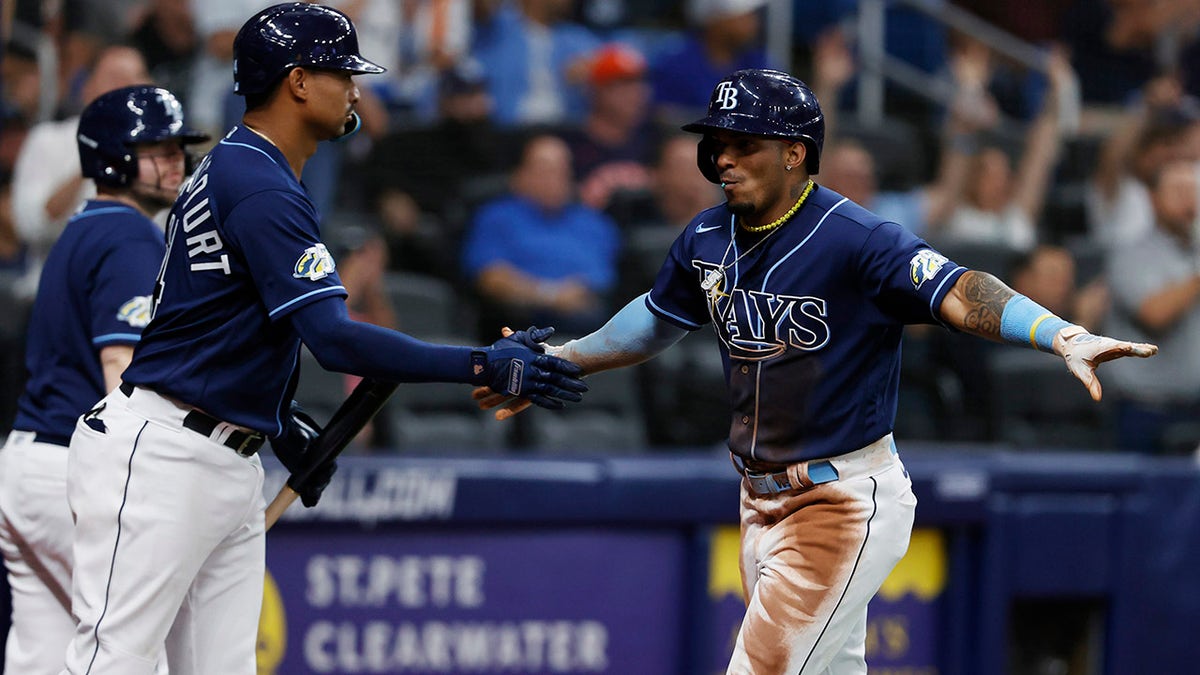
x=243, y=251
x=809, y=317
x=94, y=292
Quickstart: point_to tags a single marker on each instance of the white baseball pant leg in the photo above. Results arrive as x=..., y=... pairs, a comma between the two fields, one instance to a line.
x=169, y=541
x=812, y=559
x=35, y=536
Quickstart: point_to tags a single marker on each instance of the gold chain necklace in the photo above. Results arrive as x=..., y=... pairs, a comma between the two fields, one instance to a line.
x=781, y=219
x=713, y=278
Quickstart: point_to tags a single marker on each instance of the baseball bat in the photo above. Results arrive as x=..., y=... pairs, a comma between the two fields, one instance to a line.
x=349, y=419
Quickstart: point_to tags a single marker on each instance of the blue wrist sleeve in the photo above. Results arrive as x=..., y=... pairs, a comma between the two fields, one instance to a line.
x=1026, y=323
x=346, y=346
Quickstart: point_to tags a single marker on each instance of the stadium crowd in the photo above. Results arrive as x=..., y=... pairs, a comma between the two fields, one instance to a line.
x=520, y=162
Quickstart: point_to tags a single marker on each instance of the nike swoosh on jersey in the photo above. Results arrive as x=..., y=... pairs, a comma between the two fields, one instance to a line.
x=701, y=230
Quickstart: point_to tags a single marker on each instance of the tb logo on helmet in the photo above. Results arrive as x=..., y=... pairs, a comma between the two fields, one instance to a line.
x=726, y=96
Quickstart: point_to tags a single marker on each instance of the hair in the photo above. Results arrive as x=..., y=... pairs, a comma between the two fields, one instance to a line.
x=260, y=99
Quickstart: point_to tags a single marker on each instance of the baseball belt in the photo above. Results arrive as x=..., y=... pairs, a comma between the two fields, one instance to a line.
x=790, y=477
x=244, y=443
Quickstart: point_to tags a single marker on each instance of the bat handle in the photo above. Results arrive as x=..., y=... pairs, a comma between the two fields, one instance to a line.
x=280, y=504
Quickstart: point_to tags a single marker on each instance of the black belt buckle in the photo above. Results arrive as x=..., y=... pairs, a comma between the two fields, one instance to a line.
x=249, y=445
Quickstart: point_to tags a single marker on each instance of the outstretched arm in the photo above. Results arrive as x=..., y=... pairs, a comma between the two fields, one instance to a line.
x=631, y=336
x=981, y=304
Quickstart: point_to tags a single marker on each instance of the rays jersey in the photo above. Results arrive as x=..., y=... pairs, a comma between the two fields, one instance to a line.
x=243, y=252
x=94, y=293
x=809, y=318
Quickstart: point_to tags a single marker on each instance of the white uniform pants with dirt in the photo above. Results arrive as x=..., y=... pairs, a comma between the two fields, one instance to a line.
x=811, y=560
x=169, y=545
x=35, y=535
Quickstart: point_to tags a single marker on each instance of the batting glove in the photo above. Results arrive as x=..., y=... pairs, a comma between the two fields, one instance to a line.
x=1083, y=352
x=292, y=450
x=511, y=367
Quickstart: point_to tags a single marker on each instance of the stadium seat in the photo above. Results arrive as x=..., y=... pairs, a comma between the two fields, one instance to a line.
x=440, y=417
x=609, y=419
x=425, y=306
x=1038, y=403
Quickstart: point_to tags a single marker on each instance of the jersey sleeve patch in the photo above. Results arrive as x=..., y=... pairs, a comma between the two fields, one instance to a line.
x=314, y=264
x=925, y=265
x=135, y=311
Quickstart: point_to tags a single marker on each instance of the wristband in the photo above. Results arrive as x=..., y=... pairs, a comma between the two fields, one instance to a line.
x=1026, y=323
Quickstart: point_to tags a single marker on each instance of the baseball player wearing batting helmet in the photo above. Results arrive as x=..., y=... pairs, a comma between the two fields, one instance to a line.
x=809, y=293
x=92, y=304
x=164, y=479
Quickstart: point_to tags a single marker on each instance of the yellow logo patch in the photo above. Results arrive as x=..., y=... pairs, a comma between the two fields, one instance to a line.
x=315, y=263
x=135, y=311
x=925, y=266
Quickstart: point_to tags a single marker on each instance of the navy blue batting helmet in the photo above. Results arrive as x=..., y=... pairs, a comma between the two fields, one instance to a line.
x=114, y=122
x=290, y=35
x=768, y=103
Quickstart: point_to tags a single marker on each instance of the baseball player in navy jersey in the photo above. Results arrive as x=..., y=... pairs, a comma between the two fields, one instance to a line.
x=809, y=293
x=92, y=304
x=164, y=477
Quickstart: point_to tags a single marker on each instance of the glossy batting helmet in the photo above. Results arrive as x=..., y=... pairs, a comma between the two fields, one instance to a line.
x=766, y=103
x=294, y=34
x=112, y=124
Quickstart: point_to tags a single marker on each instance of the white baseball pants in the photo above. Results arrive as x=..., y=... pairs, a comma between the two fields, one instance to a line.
x=169, y=545
x=35, y=536
x=811, y=559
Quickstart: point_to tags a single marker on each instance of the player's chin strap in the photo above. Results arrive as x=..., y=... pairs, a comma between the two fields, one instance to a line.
x=352, y=126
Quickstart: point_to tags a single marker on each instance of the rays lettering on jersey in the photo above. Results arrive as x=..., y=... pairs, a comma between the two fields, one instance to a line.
x=196, y=213
x=758, y=325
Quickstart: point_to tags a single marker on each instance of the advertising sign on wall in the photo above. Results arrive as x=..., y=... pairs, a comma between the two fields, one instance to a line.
x=473, y=601
x=902, y=620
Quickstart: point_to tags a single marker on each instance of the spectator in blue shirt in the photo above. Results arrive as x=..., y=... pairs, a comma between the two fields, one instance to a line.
x=726, y=37
x=536, y=62
x=539, y=256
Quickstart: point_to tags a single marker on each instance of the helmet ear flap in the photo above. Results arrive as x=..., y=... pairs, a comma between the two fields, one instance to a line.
x=812, y=156
x=706, y=159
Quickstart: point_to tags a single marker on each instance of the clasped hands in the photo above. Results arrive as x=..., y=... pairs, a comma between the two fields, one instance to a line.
x=507, y=402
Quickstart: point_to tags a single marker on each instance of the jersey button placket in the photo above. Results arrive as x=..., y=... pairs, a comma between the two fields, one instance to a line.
x=745, y=419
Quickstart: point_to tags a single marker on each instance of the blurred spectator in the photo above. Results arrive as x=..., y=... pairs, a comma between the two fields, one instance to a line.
x=415, y=40
x=362, y=262
x=1157, y=298
x=1001, y=207
x=540, y=257
x=47, y=181
x=1036, y=21
x=212, y=105
x=166, y=36
x=537, y=62
x=725, y=37
x=849, y=167
x=80, y=30
x=1047, y=274
x=1160, y=129
x=1112, y=45
x=677, y=191
x=12, y=250
x=20, y=100
x=417, y=180
x=613, y=149
x=680, y=190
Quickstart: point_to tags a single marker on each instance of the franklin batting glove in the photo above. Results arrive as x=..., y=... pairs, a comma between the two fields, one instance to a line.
x=510, y=367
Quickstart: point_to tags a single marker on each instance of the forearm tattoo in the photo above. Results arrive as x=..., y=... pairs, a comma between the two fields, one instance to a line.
x=985, y=297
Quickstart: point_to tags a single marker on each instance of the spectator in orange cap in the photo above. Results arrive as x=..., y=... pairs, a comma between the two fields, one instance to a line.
x=614, y=147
